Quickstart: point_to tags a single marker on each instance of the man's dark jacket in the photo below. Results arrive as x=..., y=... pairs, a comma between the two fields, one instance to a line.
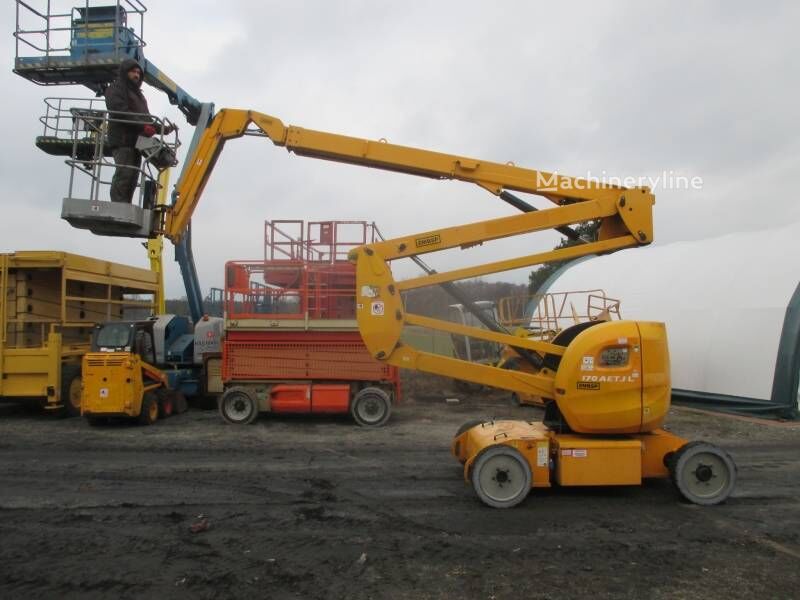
x=125, y=96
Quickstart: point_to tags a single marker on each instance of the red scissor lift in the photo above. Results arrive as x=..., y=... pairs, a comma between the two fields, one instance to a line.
x=292, y=343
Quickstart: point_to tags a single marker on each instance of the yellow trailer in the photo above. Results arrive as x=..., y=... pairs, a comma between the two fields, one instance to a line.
x=49, y=303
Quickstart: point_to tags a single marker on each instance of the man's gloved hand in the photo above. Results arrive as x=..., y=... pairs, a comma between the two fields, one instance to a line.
x=170, y=128
x=148, y=131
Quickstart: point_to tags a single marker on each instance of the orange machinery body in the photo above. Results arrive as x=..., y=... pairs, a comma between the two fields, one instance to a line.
x=303, y=371
x=569, y=459
x=612, y=392
x=291, y=330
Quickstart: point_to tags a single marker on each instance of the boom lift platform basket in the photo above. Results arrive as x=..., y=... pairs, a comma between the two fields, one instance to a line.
x=85, y=45
x=77, y=128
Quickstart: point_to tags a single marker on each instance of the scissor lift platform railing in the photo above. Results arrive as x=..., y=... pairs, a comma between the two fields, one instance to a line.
x=291, y=317
x=305, y=281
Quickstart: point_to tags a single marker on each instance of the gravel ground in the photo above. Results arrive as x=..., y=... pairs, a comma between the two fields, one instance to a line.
x=320, y=508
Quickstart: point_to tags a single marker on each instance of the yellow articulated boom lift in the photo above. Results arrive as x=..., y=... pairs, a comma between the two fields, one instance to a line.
x=606, y=384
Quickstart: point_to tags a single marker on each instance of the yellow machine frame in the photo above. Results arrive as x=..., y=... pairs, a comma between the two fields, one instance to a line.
x=611, y=411
x=625, y=216
x=51, y=304
x=155, y=248
x=109, y=390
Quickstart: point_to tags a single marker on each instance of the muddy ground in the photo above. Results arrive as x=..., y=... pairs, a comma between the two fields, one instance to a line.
x=319, y=508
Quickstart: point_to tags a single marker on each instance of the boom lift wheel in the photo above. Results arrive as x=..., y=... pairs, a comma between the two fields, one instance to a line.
x=71, y=390
x=501, y=477
x=703, y=473
x=149, y=413
x=371, y=407
x=238, y=406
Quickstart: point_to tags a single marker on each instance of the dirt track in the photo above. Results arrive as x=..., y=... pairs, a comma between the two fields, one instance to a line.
x=320, y=508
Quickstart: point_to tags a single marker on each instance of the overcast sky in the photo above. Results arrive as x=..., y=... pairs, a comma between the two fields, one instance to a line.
x=627, y=89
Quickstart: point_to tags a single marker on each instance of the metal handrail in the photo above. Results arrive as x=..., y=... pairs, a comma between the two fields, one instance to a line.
x=309, y=290
x=84, y=123
x=547, y=313
x=52, y=26
x=305, y=247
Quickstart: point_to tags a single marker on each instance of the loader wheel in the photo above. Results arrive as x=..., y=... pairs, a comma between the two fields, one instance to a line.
x=469, y=425
x=71, y=390
x=238, y=406
x=180, y=403
x=501, y=477
x=149, y=413
x=703, y=473
x=165, y=406
x=371, y=407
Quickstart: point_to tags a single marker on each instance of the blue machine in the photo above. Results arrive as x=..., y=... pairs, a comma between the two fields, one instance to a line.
x=85, y=46
x=101, y=30
x=176, y=350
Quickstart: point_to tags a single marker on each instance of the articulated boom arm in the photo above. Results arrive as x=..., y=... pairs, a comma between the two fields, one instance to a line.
x=381, y=314
x=625, y=220
x=494, y=177
x=189, y=106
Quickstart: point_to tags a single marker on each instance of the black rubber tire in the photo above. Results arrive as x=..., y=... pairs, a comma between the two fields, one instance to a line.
x=506, y=461
x=148, y=416
x=71, y=390
x=371, y=407
x=469, y=425
x=703, y=473
x=166, y=406
x=238, y=406
x=181, y=404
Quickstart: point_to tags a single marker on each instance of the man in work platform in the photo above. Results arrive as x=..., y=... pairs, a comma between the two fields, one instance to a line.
x=124, y=95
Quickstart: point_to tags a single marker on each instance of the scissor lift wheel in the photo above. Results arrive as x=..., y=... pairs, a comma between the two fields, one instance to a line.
x=238, y=406
x=371, y=407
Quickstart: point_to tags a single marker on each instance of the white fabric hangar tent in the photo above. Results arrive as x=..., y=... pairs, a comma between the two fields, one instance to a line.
x=732, y=310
